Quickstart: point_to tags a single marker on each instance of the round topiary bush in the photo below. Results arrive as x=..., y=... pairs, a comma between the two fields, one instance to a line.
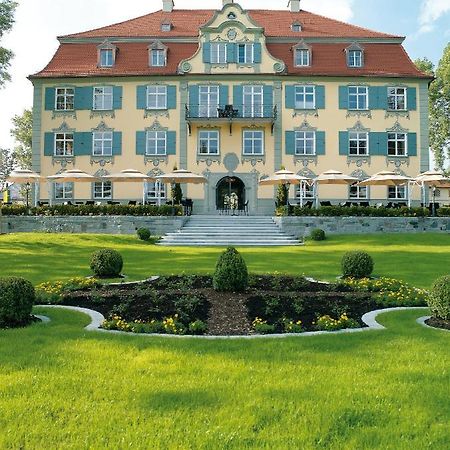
x=357, y=264
x=106, y=263
x=318, y=235
x=144, y=234
x=16, y=301
x=231, y=273
x=439, y=298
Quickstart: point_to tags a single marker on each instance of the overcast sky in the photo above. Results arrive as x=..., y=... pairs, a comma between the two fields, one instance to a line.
x=426, y=23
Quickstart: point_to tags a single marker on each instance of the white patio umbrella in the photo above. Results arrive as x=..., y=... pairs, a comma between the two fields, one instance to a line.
x=72, y=176
x=181, y=176
x=27, y=177
x=285, y=177
x=388, y=178
x=332, y=177
x=130, y=176
x=433, y=179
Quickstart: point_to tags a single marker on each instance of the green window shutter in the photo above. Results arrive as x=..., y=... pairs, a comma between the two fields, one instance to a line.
x=171, y=97
x=117, y=143
x=50, y=94
x=290, y=142
x=343, y=97
x=49, y=144
x=141, y=137
x=411, y=94
x=267, y=100
x=82, y=143
x=238, y=98
x=171, y=143
x=223, y=95
x=194, y=100
x=206, y=52
x=141, y=97
x=343, y=142
x=117, y=97
x=290, y=97
x=231, y=53
x=378, y=144
x=83, y=98
x=320, y=142
x=412, y=144
x=320, y=97
x=257, y=53
x=382, y=97
x=373, y=97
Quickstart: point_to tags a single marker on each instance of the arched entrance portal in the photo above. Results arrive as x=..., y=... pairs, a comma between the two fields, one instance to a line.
x=226, y=186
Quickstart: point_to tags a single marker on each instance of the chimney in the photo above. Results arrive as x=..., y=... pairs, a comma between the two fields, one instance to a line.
x=227, y=2
x=168, y=5
x=295, y=5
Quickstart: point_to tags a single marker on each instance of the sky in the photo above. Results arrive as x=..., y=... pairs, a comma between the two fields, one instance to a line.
x=426, y=23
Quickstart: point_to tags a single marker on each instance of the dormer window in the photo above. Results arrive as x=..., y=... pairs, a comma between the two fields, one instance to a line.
x=106, y=54
x=157, y=55
x=355, y=56
x=302, y=55
x=166, y=26
x=296, y=27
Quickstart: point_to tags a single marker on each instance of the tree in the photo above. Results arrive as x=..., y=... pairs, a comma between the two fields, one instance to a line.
x=439, y=93
x=7, y=9
x=22, y=132
x=7, y=163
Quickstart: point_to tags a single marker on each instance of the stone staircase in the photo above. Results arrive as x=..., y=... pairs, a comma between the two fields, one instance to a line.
x=209, y=231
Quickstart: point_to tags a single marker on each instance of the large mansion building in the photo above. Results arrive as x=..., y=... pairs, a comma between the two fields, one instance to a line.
x=232, y=94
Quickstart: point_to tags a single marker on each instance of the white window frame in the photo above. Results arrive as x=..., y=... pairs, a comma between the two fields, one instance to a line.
x=104, y=188
x=68, y=143
x=218, y=52
x=360, y=138
x=307, y=191
x=153, y=138
x=361, y=192
x=394, y=98
x=253, y=101
x=361, y=94
x=158, y=57
x=302, y=138
x=156, y=192
x=103, y=98
x=109, y=61
x=396, y=190
x=68, y=99
x=304, y=91
x=354, y=60
x=302, y=61
x=102, y=143
x=397, y=140
x=66, y=190
x=208, y=137
x=249, y=53
x=253, y=136
x=160, y=96
x=208, y=108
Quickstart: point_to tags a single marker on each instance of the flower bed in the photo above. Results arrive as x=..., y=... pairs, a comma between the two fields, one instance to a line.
x=188, y=304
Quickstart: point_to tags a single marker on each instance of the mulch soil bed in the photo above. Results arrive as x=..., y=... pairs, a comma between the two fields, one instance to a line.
x=438, y=323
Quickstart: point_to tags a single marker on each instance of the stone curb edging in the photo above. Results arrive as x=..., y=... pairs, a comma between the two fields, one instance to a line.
x=422, y=320
x=369, y=319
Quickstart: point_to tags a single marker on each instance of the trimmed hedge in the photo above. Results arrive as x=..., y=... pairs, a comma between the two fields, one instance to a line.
x=16, y=301
x=143, y=234
x=439, y=298
x=106, y=263
x=231, y=273
x=317, y=234
x=360, y=211
x=357, y=264
x=92, y=210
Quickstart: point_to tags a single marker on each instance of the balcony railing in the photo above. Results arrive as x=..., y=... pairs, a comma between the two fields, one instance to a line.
x=231, y=112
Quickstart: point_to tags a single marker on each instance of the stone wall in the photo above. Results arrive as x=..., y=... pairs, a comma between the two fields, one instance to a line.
x=90, y=224
x=302, y=226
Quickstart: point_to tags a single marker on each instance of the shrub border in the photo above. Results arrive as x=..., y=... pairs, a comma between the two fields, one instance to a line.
x=369, y=319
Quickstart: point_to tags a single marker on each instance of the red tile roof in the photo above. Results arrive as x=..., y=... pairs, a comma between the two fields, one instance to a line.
x=275, y=23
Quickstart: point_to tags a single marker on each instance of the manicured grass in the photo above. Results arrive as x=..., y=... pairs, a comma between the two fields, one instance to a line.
x=415, y=258
x=62, y=387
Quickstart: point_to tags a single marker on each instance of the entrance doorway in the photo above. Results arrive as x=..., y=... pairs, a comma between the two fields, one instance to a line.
x=227, y=186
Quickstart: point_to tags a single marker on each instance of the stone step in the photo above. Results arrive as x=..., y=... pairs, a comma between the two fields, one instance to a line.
x=228, y=243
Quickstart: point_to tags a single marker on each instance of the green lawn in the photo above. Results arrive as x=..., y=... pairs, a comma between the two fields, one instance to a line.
x=415, y=258
x=62, y=387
